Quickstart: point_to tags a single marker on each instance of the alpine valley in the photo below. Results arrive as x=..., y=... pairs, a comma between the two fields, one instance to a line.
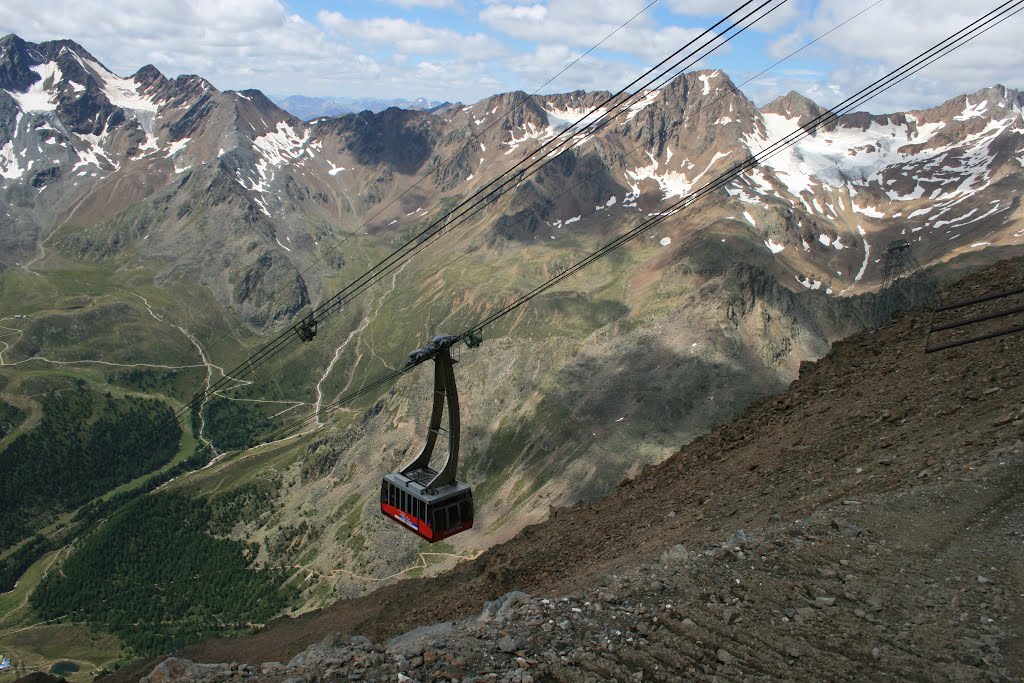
x=154, y=232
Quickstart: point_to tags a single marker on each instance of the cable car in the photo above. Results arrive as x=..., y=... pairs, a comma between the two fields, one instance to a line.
x=431, y=503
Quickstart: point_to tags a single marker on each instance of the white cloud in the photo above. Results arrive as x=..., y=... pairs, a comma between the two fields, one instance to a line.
x=721, y=8
x=408, y=37
x=892, y=33
x=235, y=44
x=264, y=44
x=536, y=67
x=583, y=23
x=431, y=4
x=259, y=44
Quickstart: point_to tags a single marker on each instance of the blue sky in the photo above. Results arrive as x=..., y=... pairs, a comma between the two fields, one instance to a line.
x=463, y=50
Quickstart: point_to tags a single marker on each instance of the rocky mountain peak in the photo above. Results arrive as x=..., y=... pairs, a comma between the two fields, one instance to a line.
x=149, y=76
x=1000, y=97
x=265, y=105
x=16, y=62
x=793, y=105
x=193, y=83
x=52, y=49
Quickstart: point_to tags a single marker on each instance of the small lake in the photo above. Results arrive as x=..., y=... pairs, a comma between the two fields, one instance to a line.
x=63, y=668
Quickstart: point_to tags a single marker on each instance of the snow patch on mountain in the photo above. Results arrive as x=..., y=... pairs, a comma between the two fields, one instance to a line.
x=869, y=211
x=281, y=145
x=867, y=254
x=837, y=156
x=808, y=283
x=671, y=183
x=41, y=95
x=9, y=167
x=705, y=79
x=177, y=146
x=572, y=117
x=122, y=92
x=972, y=111
x=529, y=132
x=648, y=99
x=91, y=155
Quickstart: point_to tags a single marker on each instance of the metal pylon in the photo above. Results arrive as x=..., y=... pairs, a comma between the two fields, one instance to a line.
x=899, y=270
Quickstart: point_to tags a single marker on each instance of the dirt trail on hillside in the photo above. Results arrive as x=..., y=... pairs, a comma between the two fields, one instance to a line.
x=919, y=439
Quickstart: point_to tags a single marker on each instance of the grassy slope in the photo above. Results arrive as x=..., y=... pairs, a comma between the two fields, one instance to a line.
x=38, y=645
x=53, y=305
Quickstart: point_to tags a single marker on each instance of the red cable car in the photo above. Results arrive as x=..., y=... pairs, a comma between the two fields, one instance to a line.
x=432, y=503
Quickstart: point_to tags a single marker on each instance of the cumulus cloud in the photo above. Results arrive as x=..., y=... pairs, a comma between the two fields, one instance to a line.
x=239, y=44
x=431, y=4
x=892, y=33
x=235, y=43
x=538, y=66
x=773, y=21
x=409, y=37
x=584, y=24
x=520, y=44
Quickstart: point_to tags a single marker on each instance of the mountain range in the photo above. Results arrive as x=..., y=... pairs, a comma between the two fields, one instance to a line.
x=308, y=108
x=157, y=230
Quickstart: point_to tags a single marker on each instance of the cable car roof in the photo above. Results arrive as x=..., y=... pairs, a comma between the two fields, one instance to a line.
x=417, y=488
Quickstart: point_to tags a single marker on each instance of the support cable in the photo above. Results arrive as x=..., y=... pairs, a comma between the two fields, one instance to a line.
x=483, y=196
x=941, y=49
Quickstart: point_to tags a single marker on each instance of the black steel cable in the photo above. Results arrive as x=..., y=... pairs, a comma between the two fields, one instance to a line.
x=881, y=85
x=901, y=73
x=285, y=338
x=604, y=166
x=271, y=348
x=482, y=196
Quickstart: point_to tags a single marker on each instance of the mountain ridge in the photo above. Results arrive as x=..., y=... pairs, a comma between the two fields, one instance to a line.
x=264, y=138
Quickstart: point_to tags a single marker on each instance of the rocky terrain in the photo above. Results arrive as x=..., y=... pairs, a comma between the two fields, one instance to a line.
x=867, y=523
